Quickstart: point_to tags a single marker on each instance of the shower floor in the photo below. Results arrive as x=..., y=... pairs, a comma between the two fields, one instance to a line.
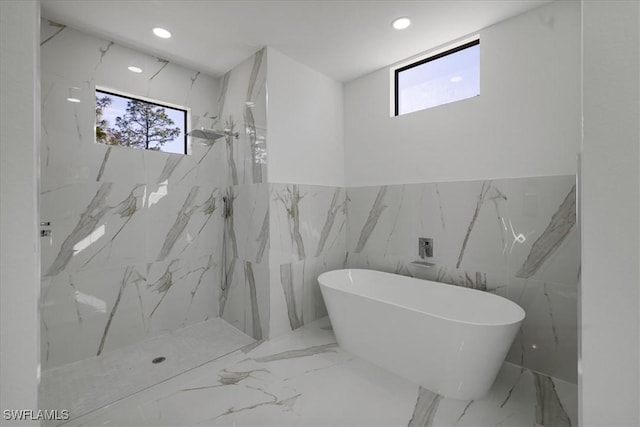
x=90, y=384
x=304, y=378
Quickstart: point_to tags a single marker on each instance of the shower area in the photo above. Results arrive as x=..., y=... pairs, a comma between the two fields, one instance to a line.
x=153, y=263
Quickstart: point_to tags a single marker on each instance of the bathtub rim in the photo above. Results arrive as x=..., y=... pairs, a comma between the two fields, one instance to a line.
x=522, y=312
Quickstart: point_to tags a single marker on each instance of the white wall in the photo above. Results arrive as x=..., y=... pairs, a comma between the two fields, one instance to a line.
x=19, y=253
x=305, y=122
x=526, y=121
x=610, y=211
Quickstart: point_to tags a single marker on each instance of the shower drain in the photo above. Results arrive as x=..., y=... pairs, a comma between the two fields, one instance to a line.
x=159, y=359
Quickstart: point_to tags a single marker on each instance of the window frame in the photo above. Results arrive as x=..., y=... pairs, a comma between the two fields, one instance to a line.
x=448, y=51
x=159, y=103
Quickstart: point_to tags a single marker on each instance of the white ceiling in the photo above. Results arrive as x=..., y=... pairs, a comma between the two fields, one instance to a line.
x=342, y=39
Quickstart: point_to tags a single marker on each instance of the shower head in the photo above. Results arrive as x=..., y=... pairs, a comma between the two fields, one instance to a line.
x=211, y=135
x=208, y=134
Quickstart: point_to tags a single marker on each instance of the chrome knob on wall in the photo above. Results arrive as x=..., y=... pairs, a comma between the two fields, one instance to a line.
x=425, y=247
x=45, y=232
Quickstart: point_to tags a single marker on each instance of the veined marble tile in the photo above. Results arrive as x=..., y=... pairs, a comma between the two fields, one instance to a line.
x=234, y=295
x=495, y=283
x=243, y=108
x=470, y=222
x=337, y=210
x=181, y=221
x=295, y=294
x=247, y=301
x=368, y=224
x=96, y=382
x=69, y=153
x=82, y=313
x=484, y=233
x=387, y=221
x=93, y=225
x=289, y=198
x=307, y=221
x=104, y=63
x=256, y=89
x=87, y=313
x=549, y=409
x=281, y=314
x=117, y=236
x=115, y=164
x=204, y=165
x=290, y=289
x=166, y=168
x=308, y=237
x=172, y=81
x=205, y=229
x=112, y=208
x=243, y=296
x=49, y=30
x=547, y=341
x=478, y=234
x=251, y=113
x=536, y=202
x=168, y=294
x=130, y=277
x=224, y=86
x=60, y=321
x=250, y=278
x=250, y=208
x=303, y=378
x=204, y=274
x=250, y=152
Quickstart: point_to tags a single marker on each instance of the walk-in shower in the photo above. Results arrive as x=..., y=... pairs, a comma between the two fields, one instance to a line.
x=140, y=236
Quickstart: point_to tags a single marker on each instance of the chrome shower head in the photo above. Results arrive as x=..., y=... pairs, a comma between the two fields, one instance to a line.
x=207, y=134
x=211, y=135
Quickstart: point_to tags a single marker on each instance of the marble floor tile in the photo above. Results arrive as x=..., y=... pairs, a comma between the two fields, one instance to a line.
x=92, y=383
x=303, y=378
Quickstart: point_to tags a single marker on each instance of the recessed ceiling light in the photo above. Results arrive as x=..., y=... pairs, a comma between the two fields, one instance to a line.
x=161, y=32
x=401, y=23
x=134, y=69
x=455, y=79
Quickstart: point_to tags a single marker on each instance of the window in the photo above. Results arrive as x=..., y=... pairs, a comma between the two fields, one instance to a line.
x=447, y=77
x=139, y=123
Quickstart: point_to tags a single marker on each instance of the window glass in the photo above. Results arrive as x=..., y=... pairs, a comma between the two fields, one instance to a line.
x=132, y=122
x=447, y=77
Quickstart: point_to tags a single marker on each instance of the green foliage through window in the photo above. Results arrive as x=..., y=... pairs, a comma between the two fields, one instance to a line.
x=131, y=122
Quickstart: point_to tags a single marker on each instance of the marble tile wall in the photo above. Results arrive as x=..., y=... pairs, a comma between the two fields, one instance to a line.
x=512, y=237
x=243, y=298
x=138, y=236
x=308, y=226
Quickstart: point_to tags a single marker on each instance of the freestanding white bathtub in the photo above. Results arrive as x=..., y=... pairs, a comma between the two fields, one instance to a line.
x=449, y=339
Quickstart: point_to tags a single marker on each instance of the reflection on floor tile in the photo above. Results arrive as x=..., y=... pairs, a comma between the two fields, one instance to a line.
x=304, y=378
x=90, y=384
